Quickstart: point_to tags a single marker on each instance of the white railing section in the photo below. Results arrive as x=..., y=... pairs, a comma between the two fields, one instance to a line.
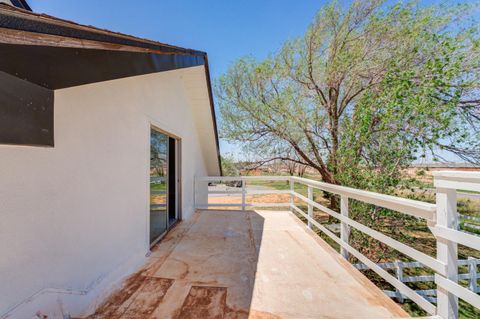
x=441, y=217
x=202, y=191
x=448, y=237
x=471, y=276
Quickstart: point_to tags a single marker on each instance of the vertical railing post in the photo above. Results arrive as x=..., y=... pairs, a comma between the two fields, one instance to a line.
x=399, y=272
x=292, y=189
x=310, y=206
x=200, y=197
x=447, y=251
x=472, y=271
x=244, y=201
x=344, y=228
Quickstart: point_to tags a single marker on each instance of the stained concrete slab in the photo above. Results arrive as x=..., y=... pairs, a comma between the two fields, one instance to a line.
x=253, y=264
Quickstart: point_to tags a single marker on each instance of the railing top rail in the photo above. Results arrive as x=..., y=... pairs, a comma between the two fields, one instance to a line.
x=457, y=180
x=458, y=175
x=403, y=205
x=241, y=178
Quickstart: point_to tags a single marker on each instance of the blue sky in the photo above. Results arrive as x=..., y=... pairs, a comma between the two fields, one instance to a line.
x=225, y=29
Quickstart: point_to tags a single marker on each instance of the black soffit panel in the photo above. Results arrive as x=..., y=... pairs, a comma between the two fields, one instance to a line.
x=26, y=116
x=58, y=67
x=31, y=73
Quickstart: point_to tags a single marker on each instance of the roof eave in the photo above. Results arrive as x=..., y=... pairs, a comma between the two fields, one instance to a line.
x=39, y=29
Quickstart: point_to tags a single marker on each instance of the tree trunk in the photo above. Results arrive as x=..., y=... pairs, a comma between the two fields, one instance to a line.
x=328, y=178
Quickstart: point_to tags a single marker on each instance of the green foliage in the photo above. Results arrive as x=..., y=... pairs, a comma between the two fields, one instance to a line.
x=229, y=166
x=421, y=172
x=366, y=91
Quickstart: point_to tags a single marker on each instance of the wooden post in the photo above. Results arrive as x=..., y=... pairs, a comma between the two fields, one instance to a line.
x=472, y=271
x=399, y=272
x=244, y=200
x=447, y=251
x=310, y=206
x=344, y=228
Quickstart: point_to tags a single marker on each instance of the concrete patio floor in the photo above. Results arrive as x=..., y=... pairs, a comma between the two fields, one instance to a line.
x=253, y=264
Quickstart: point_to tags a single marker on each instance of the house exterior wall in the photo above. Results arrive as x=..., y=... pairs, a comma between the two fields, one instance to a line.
x=74, y=218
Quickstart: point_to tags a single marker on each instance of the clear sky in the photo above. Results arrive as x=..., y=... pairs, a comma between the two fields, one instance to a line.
x=225, y=29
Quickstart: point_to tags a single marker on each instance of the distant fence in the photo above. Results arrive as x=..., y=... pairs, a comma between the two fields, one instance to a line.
x=157, y=179
x=470, y=226
x=472, y=218
x=430, y=294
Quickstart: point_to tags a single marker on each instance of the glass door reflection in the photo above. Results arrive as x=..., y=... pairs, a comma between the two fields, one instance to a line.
x=159, y=155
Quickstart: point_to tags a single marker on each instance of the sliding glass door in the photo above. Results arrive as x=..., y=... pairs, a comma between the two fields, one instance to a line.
x=163, y=184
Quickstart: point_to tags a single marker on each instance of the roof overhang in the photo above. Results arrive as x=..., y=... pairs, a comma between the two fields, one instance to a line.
x=18, y=3
x=41, y=53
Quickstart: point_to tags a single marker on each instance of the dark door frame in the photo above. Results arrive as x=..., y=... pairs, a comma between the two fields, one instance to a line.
x=176, y=156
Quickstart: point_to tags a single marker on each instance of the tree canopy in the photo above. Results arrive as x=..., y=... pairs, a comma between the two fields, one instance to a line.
x=365, y=91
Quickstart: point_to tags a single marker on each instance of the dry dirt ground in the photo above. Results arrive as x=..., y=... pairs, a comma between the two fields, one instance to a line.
x=267, y=198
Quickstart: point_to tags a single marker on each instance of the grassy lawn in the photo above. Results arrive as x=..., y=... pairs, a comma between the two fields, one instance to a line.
x=285, y=185
x=467, y=191
x=158, y=186
x=158, y=198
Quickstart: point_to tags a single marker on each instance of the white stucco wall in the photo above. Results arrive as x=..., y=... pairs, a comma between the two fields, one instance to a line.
x=75, y=217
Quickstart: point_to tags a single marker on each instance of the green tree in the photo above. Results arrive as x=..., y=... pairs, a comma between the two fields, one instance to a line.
x=366, y=91
x=229, y=165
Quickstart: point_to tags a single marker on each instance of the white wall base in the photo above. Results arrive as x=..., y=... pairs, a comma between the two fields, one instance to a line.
x=55, y=302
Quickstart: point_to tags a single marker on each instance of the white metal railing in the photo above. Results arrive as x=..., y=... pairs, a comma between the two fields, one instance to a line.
x=471, y=276
x=442, y=219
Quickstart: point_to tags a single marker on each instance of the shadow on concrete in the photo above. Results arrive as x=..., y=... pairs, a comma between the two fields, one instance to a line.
x=204, y=267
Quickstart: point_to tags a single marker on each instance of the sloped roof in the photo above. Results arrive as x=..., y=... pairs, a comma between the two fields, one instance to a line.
x=43, y=33
x=24, y=20
x=18, y=3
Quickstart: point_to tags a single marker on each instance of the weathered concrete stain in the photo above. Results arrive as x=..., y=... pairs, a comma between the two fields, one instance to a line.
x=211, y=302
x=169, y=242
x=239, y=265
x=138, y=298
x=204, y=302
x=109, y=308
x=147, y=299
